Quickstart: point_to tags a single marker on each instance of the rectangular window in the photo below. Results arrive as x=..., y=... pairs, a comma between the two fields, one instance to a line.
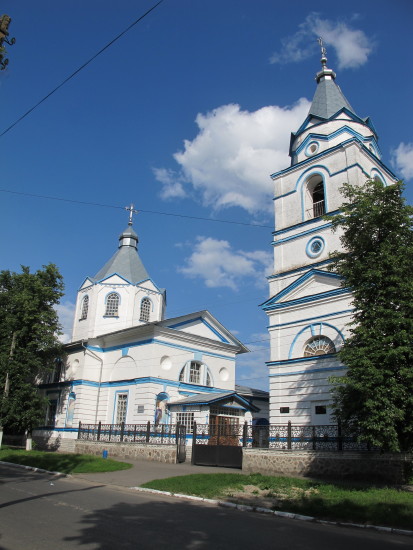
x=51, y=412
x=121, y=407
x=320, y=409
x=284, y=410
x=141, y=409
x=186, y=418
x=195, y=373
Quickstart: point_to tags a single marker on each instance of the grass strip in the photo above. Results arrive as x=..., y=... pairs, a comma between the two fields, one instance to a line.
x=338, y=501
x=60, y=462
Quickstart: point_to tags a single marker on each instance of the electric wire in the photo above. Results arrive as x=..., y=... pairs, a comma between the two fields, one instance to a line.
x=81, y=68
x=155, y=212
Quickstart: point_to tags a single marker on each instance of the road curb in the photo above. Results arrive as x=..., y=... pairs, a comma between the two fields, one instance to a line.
x=33, y=469
x=277, y=513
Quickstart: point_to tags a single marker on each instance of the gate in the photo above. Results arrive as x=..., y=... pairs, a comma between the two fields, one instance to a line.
x=218, y=444
x=181, y=442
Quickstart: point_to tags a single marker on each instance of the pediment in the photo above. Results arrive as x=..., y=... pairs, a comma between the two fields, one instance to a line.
x=204, y=325
x=315, y=282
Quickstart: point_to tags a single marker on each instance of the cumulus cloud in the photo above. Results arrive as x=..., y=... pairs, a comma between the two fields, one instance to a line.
x=352, y=46
x=402, y=159
x=230, y=160
x=66, y=311
x=219, y=265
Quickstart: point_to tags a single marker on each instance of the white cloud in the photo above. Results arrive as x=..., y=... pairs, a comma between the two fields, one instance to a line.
x=172, y=184
x=230, y=160
x=352, y=46
x=219, y=265
x=66, y=311
x=402, y=159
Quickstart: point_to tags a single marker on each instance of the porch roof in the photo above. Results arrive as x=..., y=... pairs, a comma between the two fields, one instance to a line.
x=216, y=398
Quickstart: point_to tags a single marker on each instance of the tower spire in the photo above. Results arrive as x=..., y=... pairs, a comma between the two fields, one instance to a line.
x=325, y=71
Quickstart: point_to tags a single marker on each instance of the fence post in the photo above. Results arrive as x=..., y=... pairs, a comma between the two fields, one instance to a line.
x=110, y=431
x=339, y=436
x=177, y=432
x=122, y=431
x=134, y=434
x=79, y=430
x=193, y=443
x=245, y=434
x=99, y=429
x=289, y=432
x=314, y=438
x=148, y=432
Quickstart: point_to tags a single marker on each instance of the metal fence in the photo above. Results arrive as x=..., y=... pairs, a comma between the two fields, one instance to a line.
x=163, y=434
x=273, y=436
x=303, y=437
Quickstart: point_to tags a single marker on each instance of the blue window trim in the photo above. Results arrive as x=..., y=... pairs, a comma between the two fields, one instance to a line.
x=309, y=252
x=316, y=329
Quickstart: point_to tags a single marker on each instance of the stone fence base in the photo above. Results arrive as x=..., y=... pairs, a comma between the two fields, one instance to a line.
x=387, y=468
x=156, y=453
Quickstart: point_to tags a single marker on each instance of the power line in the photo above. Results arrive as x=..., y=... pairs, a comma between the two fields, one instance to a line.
x=81, y=68
x=49, y=197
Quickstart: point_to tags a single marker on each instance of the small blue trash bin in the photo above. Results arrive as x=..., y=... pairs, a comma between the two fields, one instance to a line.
x=104, y=454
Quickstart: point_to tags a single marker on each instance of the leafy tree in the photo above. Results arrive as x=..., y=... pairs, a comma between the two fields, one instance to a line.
x=29, y=344
x=375, y=398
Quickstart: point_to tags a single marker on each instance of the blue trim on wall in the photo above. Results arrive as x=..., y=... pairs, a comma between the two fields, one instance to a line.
x=309, y=371
x=211, y=328
x=300, y=360
x=311, y=318
x=298, y=269
x=299, y=235
x=298, y=282
x=302, y=224
x=313, y=329
x=155, y=341
x=183, y=386
x=307, y=299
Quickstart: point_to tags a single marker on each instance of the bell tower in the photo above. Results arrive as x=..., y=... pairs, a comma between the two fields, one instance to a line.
x=121, y=295
x=308, y=308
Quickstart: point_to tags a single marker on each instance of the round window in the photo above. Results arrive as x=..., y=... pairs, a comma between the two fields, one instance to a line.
x=312, y=148
x=315, y=246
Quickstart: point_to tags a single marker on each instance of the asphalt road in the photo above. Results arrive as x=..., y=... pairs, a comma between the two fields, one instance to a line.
x=41, y=512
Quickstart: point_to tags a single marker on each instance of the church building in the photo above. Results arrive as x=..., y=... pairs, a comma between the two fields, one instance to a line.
x=128, y=363
x=309, y=309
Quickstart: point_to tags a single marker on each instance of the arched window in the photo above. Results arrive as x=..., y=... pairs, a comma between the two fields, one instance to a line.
x=195, y=372
x=318, y=345
x=145, y=310
x=85, y=308
x=315, y=199
x=112, y=305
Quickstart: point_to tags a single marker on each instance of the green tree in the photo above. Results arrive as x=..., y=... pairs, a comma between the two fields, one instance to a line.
x=29, y=344
x=375, y=398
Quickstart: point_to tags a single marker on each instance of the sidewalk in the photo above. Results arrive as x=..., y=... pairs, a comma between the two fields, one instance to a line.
x=146, y=470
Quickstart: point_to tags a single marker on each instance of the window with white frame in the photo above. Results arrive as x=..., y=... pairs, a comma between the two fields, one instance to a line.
x=112, y=305
x=121, y=407
x=85, y=308
x=319, y=345
x=187, y=419
x=145, y=310
x=195, y=372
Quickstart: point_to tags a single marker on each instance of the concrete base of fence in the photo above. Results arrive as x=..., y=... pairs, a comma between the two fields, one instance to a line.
x=156, y=453
x=387, y=468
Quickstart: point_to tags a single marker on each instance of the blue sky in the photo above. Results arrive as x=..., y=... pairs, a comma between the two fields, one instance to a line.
x=188, y=113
